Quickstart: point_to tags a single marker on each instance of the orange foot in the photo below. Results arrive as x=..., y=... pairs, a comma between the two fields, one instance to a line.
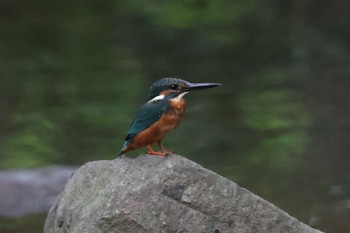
x=157, y=153
x=150, y=151
x=165, y=150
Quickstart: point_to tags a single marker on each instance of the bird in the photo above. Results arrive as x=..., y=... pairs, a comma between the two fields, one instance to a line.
x=161, y=113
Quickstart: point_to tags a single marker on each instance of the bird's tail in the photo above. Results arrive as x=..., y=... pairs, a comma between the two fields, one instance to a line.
x=123, y=150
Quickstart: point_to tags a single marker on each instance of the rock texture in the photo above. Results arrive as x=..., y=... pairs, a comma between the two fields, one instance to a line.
x=24, y=192
x=155, y=194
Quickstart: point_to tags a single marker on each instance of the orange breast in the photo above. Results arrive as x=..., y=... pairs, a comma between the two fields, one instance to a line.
x=172, y=118
x=168, y=121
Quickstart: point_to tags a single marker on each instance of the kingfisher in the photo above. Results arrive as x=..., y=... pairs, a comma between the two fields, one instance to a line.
x=161, y=113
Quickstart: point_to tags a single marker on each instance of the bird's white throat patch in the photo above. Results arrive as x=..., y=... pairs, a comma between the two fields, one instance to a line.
x=160, y=97
x=178, y=98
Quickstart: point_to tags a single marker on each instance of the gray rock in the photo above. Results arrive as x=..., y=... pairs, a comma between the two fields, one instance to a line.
x=155, y=194
x=24, y=192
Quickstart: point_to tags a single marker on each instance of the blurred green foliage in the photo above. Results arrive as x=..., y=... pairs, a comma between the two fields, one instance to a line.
x=73, y=74
x=27, y=224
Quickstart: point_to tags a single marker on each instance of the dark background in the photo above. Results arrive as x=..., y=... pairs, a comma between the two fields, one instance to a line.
x=74, y=73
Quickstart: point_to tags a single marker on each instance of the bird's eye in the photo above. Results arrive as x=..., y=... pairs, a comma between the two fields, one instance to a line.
x=173, y=87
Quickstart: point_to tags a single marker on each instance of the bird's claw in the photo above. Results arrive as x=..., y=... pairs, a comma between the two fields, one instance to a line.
x=157, y=153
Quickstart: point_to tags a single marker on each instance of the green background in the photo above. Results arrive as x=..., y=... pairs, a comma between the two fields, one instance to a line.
x=74, y=73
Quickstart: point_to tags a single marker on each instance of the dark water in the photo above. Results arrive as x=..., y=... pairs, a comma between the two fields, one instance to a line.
x=73, y=74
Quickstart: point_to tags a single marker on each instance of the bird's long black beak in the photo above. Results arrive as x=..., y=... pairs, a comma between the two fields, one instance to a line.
x=200, y=86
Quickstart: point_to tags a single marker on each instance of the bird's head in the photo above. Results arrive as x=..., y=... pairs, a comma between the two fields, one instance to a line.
x=169, y=88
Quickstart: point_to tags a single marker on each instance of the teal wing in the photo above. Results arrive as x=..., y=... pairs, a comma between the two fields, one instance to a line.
x=145, y=117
